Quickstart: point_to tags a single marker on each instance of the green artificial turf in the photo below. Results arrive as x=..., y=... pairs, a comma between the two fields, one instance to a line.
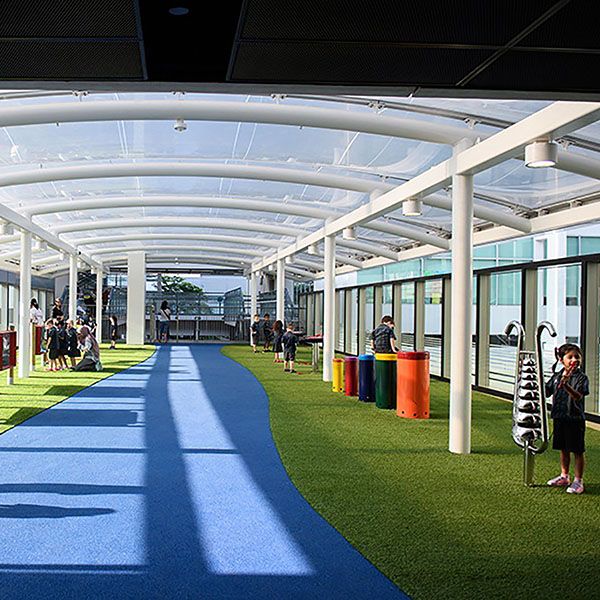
x=30, y=396
x=439, y=525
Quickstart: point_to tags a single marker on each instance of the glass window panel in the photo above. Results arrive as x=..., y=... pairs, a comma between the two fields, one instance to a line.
x=572, y=246
x=503, y=351
x=433, y=324
x=341, y=305
x=558, y=308
x=407, y=335
x=386, y=308
x=369, y=317
x=354, y=321
x=590, y=245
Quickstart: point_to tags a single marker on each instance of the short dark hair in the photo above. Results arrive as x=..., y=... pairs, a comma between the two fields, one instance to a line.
x=563, y=350
x=387, y=319
x=266, y=315
x=290, y=326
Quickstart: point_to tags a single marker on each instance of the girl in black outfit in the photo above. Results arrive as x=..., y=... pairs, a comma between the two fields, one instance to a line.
x=277, y=341
x=114, y=324
x=57, y=312
x=72, y=343
x=63, y=344
x=52, y=344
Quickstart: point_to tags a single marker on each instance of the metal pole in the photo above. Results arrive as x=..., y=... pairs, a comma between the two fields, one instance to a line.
x=24, y=299
x=99, y=275
x=10, y=378
x=462, y=301
x=329, y=308
x=72, y=287
x=253, y=295
x=280, y=310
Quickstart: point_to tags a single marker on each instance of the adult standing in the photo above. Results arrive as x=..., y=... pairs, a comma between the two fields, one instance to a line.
x=36, y=316
x=57, y=311
x=164, y=322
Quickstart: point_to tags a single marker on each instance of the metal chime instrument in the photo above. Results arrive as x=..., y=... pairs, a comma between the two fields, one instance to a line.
x=529, y=414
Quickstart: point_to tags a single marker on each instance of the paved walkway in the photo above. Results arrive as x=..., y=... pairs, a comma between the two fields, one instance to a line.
x=163, y=482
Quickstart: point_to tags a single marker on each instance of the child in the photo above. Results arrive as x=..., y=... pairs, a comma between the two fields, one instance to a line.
x=72, y=342
x=254, y=331
x=290, y=341
x=52, y=344
x=267, y=333
x=569, y=387
x=383, y=336
x=277, y=341
x=62, y=344
x=114, y=331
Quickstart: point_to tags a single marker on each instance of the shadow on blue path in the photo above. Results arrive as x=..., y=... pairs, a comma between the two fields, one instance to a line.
x=191, y=503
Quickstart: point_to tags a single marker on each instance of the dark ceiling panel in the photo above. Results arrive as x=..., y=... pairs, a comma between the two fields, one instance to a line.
x=343, y=63
x=574, y=26
x=534, y=71
x=472, y=22
x=67, y=18
x=50, y=60
x=196, y=46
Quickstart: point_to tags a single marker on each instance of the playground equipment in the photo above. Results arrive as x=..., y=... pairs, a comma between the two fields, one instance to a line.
x=412, y=389
x=530, y=417
x=351, y=376
x=337, y=385
x=366, y=378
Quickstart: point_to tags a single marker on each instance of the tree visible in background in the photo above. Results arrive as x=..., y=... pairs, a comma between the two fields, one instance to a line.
x=174, y=284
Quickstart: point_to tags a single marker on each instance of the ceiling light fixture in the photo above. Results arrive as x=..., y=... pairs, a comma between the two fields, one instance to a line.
x=349, y=233
x=7, y=229
x=313, y=250
x=180, y=125
x=413, y=207
x=179, y=11
x=540, y=154
x=288, y=260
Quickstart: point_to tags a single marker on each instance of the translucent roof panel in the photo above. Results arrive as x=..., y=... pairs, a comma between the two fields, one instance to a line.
x=350, y=162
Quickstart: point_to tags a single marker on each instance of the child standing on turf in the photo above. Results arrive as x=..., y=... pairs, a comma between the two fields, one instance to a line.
x=254, y=331
x=267, y=332
x=278, y=341
x=383, y=336
x=52, y=344
x=72, y=342
x=569, y=388
x=290, y=341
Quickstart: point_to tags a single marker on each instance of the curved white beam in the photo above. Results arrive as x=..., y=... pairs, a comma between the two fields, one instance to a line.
x=247, y=252
x=211, y=223
x=253, y=172
x=277, y=207
x=200, y=237
x=235, y=111
x=287, y=208
x=368, y=248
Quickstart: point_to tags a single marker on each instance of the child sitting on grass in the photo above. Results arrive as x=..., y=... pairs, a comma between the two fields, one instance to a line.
x=569, y=388
x=290, y=342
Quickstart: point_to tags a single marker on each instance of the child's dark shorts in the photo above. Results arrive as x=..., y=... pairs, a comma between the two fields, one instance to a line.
x=289, y=355
x=569, y=435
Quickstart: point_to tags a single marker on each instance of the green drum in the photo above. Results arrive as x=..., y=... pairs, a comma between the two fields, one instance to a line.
x=385, y=381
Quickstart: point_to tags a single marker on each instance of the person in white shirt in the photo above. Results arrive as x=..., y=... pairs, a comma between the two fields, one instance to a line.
x=36, y=316
x=164, y=318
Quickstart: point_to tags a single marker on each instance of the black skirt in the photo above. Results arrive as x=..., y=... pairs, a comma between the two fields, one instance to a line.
x=569, y=435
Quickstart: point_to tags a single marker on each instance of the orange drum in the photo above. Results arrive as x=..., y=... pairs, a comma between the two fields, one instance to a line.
x=412, y=391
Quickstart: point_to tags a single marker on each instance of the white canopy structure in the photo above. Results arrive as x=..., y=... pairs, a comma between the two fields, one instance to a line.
x=312, y=186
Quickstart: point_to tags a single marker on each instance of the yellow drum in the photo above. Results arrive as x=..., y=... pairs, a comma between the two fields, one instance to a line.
x=338, y=375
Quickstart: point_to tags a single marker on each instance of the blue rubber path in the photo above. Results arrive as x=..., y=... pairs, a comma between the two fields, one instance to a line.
x=163, y=481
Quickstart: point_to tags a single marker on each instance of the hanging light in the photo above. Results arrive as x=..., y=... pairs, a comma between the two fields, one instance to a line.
x=313, y=250
x=41, y=245
x=413, y=207
x=7, y=229
x=540, y=154
x=63, y=256
x=288, y=260
x=349, y=233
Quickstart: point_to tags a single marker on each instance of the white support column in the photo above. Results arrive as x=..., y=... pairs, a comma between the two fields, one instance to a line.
x=462, y=301
x=136, y=298
x=72, y=287
x=24, y=334
x=99, y=275
x=329, y=308
x=280, y=283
